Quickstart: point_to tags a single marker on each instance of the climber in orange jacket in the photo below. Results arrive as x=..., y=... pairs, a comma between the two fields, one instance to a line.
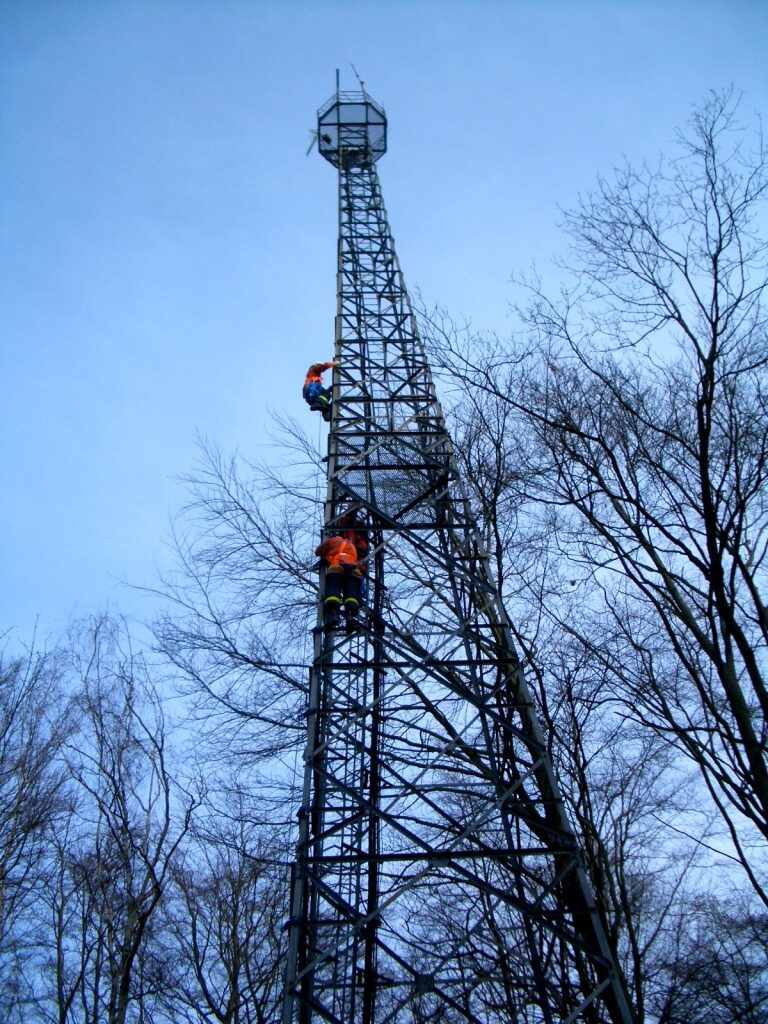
x=315, y=395
x=342, y=580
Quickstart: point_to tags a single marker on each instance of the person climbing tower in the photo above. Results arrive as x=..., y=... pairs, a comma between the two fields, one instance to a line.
x=354, y=529
x=342, y=580
x=315, y=395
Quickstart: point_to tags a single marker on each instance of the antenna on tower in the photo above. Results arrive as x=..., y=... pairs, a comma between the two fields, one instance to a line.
x=357, y=76
x=313, y=141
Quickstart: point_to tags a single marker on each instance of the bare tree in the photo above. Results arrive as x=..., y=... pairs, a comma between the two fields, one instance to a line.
x=32, y=800
x=243, y=602
x=720, y=972
x=629, y=796
x=111, y=863
x=224, y=920
x=639, y=434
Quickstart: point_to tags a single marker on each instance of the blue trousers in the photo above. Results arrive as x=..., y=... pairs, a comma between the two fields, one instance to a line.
x=316, y=395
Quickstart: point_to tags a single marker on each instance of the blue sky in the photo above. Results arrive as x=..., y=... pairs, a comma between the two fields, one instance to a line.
x=167, y=252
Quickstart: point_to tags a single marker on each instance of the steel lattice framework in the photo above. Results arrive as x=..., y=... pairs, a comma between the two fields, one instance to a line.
x=437, y=877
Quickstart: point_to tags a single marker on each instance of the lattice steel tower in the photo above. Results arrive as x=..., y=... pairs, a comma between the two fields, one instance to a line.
x=437, y=876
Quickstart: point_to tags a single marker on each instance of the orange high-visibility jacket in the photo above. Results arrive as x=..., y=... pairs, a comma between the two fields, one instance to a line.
x=316, y=371
x=337, y=551
x=358, y=540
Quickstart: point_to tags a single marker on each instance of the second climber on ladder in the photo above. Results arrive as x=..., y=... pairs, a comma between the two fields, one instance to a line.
x=315, y=395
x=343, y=577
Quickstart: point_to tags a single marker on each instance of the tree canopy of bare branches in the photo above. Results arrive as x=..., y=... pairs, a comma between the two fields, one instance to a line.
x=635, y=440
x=108, y=860
x=33, y=801
x=242, y=606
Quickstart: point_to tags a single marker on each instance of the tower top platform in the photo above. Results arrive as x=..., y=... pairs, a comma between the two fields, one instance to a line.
x=351, y=130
